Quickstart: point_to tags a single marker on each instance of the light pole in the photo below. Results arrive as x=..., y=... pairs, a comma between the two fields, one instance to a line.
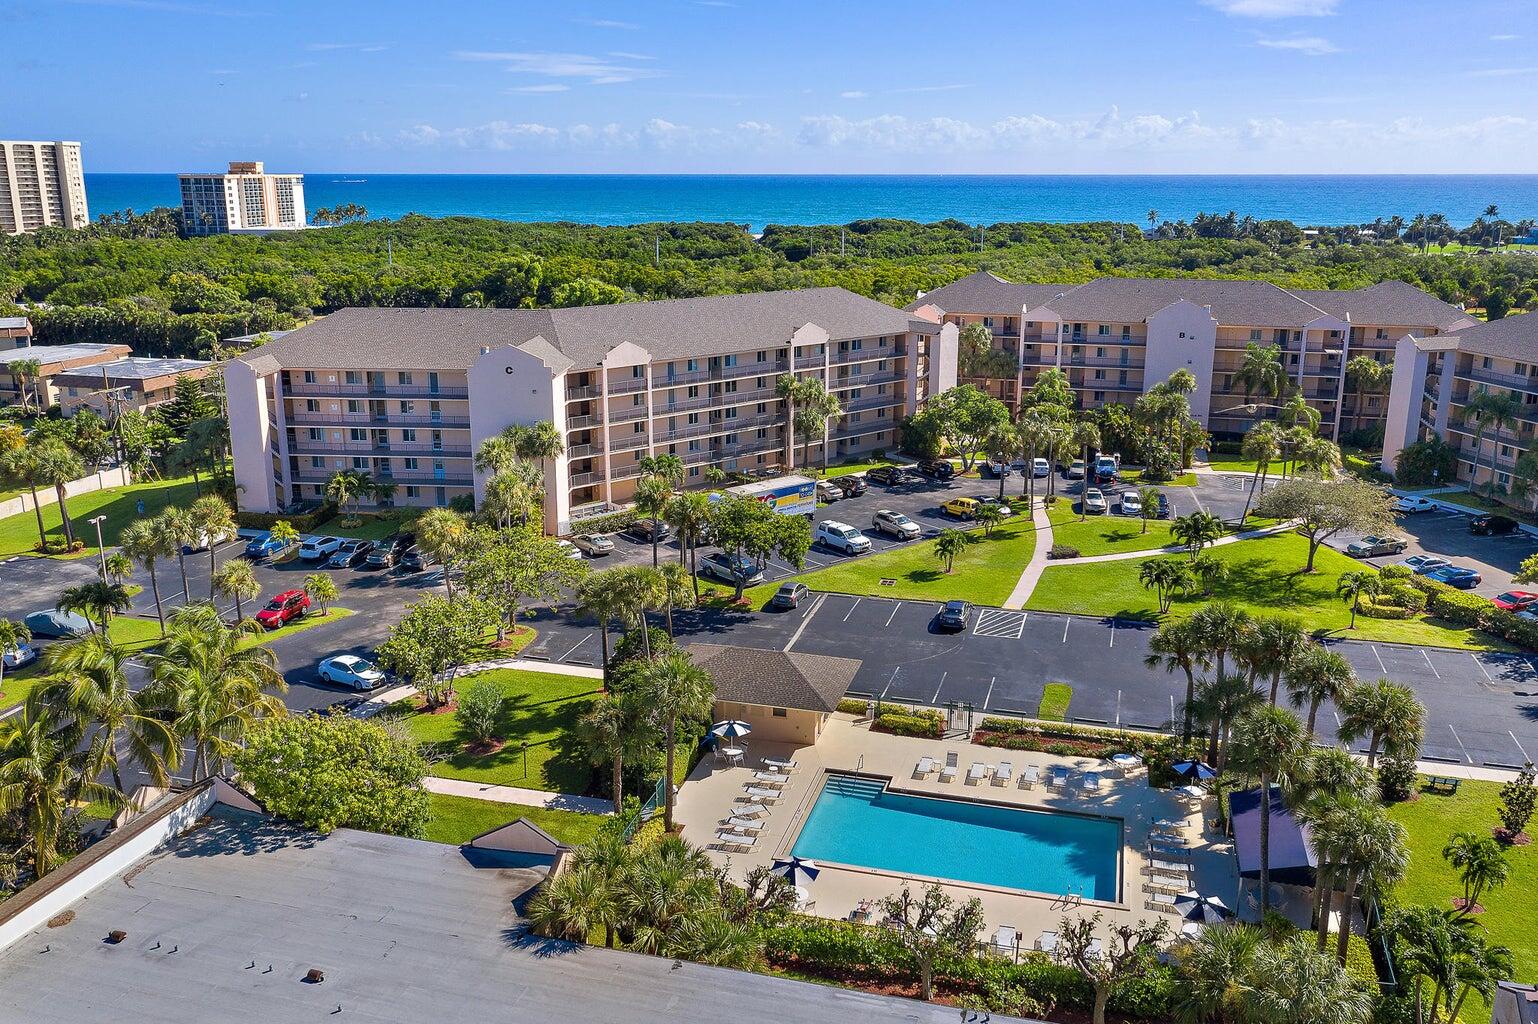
x=101, y=549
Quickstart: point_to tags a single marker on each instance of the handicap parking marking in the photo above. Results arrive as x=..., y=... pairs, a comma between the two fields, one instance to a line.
x=999, y=623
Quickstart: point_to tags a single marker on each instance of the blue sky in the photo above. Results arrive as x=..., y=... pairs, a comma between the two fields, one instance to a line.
x=1006, y=86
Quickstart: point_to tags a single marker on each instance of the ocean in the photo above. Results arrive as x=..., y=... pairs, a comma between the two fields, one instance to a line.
x=761, y=199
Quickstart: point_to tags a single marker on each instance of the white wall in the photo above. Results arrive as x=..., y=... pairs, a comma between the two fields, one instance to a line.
x=48, y=496
x=510, y=386
x=1412, y=358
x=1183, y=336
x=944, y=350
x=250, y=444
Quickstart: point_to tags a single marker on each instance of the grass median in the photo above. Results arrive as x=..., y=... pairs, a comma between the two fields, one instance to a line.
x=459, y=819
x=1107, y=534
x=18, y=533
x=1265, y=578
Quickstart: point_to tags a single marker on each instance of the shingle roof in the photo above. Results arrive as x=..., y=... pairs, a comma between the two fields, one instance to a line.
x=778, y=679
x=1387, y=303
x=986, y=292
x=1131, y=300
x=396, y=338
x=1514, y=337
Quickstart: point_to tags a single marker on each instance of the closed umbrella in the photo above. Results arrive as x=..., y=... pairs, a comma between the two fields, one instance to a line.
x=1193, y=906
x=1197, y=771
x=796, y=870
x=731, y=729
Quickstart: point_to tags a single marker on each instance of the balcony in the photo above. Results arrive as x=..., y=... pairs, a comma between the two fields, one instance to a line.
x=342, y=419
x=866, y=354
x=811, y=362
x=370, y=391
x=1508, y=380
x=628, y=414
x=583, y=479
x=628, y=442
x=583, y=422
x=627, y=385
x=578, y=392
x=873, y=402
x=866, y=380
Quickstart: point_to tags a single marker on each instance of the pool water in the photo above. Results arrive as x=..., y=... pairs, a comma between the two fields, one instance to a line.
x=857, y=822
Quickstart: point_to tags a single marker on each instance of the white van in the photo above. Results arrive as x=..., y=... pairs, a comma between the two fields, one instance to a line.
x=831, y=533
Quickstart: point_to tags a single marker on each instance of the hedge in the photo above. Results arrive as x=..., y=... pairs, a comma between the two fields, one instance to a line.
x=611, y=523
x=1371, y=609
x=1063, y=551
x=926, y=726
x=304, y=522
x=1086, y=741
x=853, y=706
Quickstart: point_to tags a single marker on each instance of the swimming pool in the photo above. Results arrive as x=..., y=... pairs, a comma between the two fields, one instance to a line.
x=856, y=821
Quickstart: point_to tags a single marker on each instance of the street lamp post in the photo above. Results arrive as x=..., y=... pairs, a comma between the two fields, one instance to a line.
x=101, y=548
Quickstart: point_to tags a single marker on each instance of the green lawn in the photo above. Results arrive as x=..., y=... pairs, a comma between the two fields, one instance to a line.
x=459, y=819
x=1265, y=579
x=19, y=683
x=846, y=468
x=541, y=709
x=1055, y=698
x=1231, y=464
x=1510, y=911
x=1103, y=535
x=371, y=526
x=18, y=533
x=289, y=629
x=131, y=631
x=1135, y=476
x=986, y=572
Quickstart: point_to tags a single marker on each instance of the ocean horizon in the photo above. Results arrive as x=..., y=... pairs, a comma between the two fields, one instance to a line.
x=760, y=199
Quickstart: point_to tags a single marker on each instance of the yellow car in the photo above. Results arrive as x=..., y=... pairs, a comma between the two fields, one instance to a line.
x=961, y=508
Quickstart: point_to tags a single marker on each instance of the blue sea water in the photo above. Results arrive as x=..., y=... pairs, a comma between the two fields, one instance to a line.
x=857, y=822
x=760, y=199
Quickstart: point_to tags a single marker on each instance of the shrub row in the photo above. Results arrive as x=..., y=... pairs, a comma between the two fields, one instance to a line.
x=304, y=522
x=1464, y=609
x=1063, y=551
x=1065, y=740
x=853, y=706
x=1384, y=610
x=926, y=726
x=611, y=523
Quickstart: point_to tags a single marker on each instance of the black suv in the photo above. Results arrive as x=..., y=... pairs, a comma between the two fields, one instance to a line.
x=940, y=469
x=414, y=559
x=641, y=530
x=892, y=476
x=852, y=486
x=1489, y=525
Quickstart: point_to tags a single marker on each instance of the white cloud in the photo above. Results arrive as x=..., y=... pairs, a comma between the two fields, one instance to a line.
x=1502, y=72
x=608, y=23
x=623, y=55
x=1274, y=8
x=853, y=94
x=1310, y=46
x=544, y=87
x=360, y=47
x=595, y=70
x=1504, y=37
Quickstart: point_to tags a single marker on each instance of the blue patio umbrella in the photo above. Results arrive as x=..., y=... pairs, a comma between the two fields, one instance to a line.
x=1193, y=906
x=710, y=741
x=1199, y=771
x=731, y=729
x=796, y=870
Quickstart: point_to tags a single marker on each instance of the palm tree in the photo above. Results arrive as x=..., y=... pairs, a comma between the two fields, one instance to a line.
x=1085, y=436
x=118, y=567
x=1387, y=714
x=95, y=599
x=605, y=596
x=788, y=388
x=1355, y=585
x=55, y=465
x=213, y=519
x=652, y=494
x=1178, y=645
x=1220, y=701
x=1260, y=372
x=1148, y=501
x=1166, y=578
x=1222, y=627
x=43, y=771
x=948, y=545
x=322, y=590
x=1481, y=864
x=284, y=533
x=1032, y=437
x=1196, y=530
x=1152, y=216
x=612, y=731
x=1441, y=948
x=1496, y=409
x=822, y=407
x=642, y=589
x=989, y=516
x=91, y=692
x=211, y=688
x=689, y=516
x=177, y=531
x=1268, y=742
x=677, y=590
x=237, y=581
x=1315, y=676
x=1215, y=967
x=24, y=371
x=12, y=635
x=1296, y=412
x=346, y=487
x=1293, y=983
x=443, y=533
x=21, y=464
x=1273, y=644
x=674, y=685
x=1359, y=841
x=512, y=493
x=569, y=906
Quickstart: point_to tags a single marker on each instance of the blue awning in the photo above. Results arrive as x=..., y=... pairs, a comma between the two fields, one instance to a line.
x=1292, y=856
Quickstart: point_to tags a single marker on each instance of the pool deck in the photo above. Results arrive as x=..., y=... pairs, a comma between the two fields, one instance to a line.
x=848, y=745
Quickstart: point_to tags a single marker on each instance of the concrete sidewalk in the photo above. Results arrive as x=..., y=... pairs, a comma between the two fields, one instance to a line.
x=1034, y=568
x=514, y=795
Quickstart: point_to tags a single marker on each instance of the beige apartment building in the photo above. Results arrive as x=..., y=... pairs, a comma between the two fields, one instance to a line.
x=407, y=395
x=42, y=184
x=54, y=360
x=1117, y=337
x=140, y=383
x=245, y=199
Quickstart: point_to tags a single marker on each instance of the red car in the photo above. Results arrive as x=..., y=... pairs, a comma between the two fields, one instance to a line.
x=291, y=604
x=1515, y=600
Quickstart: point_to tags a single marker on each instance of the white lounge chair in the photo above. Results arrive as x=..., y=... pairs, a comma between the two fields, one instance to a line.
x=1162, y=901
x=752, y=810
x=1059, y=775
x=925, y=768
x=759, y=793
x=1168, y=823
x=748, y=825
x=948, y=773
x=1048, y=942
x=1166, y=850
x=1003, y=773
x=769, y=778
x=977, y=773
x=1006, y=938
x=733, y=840
x=1029, y=776
x=1178, y=868
x=1158, y=884
x=1091, y=782
x=1169, y=839
x=780, y=764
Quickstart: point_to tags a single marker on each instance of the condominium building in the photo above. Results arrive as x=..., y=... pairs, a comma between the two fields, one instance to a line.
x=140, y=383
x=1117, y=337
x=15, y=332
x=42, y=184
x=407, y=395
x=1434, y=380
x=41, y=385
x=244, y=199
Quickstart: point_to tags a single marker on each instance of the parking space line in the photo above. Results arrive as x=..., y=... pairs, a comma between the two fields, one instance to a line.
x=1429, y=664
x=1381, y=667
x=805, y=621
x=1066, y=621
x=851, y=609
x=1488, y=678
x=936, y=699
x=1113, y=634
x=1519, y=745
x=889, y=618
x=1118, y=709
x=574, y=648
x=1468, y=757
x=890, y=681
x=989, y=695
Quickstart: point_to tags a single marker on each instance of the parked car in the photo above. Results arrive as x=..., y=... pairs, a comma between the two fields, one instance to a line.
x=960, y=508
x=1372, y=547
x=1131, y=503
x=1019, y=466
x=319, y=547
x=1413, y=503
x=852, y=485
x=204, y=540
x=939, y=469
x=891, y=476
x=351, y=553
x=1456, y=576
x=569, y=549
x=790, y=595
x=996, y=470
x=1528, y=615
x=1094, y=502
x=831, y=533
x=829, y=492
x=415, y=560
x=264, y=546
x=731, y=569
x=1005, y=508
x=1490, y=525
x=1107, y=470
x=593, y=545
x=351, y=671
x=1075, y=470
x=894, y=524
x=382, y=557
x=1514, y=600
x=1040, y=467
x=953, y=616
x=642, y=530
x=20, y=655
x=1422, y=564
x=1164, y=506
x=287, y=606
x=53, y=623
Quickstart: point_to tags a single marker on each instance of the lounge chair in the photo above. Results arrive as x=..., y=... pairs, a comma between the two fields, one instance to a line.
x=977, y=773
x=1169, y=839
x=733, y=840
x=925, y=768
x=769, y=778
x=1003, y=773
x=1160, y=866
x=1059, y=775
x=1091, y=782
x=768, y=796
x=780, y=764
x=1157, y=884
x=1169, y=823
x=948, y=773
x=1048, y=942
x=749, y=810
x=1006, y=938
x=748, y=825
x=1162, y=901
x=1029, y=776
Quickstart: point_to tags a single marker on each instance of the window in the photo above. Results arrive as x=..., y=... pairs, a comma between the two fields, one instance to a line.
x=359, y=462
x=1126, y=333
x=637, y=400
x=692, y=418
x=1521, y=370
x=694, y=471
x=309, y=376
x=730, y=360
x=855, y=345
x=731, y=414
x=357, y=434
x=312, y=405
x=1255, y=333
x=693, y=391
x=762, y=357
x=1100, y=375
x=1099, y=396
x=316, y=462
x=403, y=378
x=413, y=491
x=1484, y=364
x=352, y=377
x=1382, y=334
x=407, y=408
x=1099, y=353
x=779, y=713
x=763, y=407
x=760, y=383
x=317, y=434
x=730, y=387
x=692, y=365
x=354, y=406
x=411, y=463
x=408, y=435
x=1103, y=329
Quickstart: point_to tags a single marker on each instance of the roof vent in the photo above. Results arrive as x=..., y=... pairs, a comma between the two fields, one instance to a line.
x=314, y=976
x=115, y=936
x=485, y=349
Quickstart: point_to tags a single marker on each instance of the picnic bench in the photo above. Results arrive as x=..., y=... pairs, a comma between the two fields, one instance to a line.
x=1445, y=785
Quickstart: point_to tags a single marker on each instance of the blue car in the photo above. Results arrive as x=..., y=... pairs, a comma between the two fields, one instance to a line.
x=1456, y=576
x=264, y=546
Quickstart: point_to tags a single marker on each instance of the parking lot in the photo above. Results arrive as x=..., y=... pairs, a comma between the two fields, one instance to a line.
x=1447, y=535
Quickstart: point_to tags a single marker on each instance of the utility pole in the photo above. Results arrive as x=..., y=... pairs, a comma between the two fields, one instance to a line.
x=841, y=241
x=657, y=251
x=979, y=238
x=389, y=251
